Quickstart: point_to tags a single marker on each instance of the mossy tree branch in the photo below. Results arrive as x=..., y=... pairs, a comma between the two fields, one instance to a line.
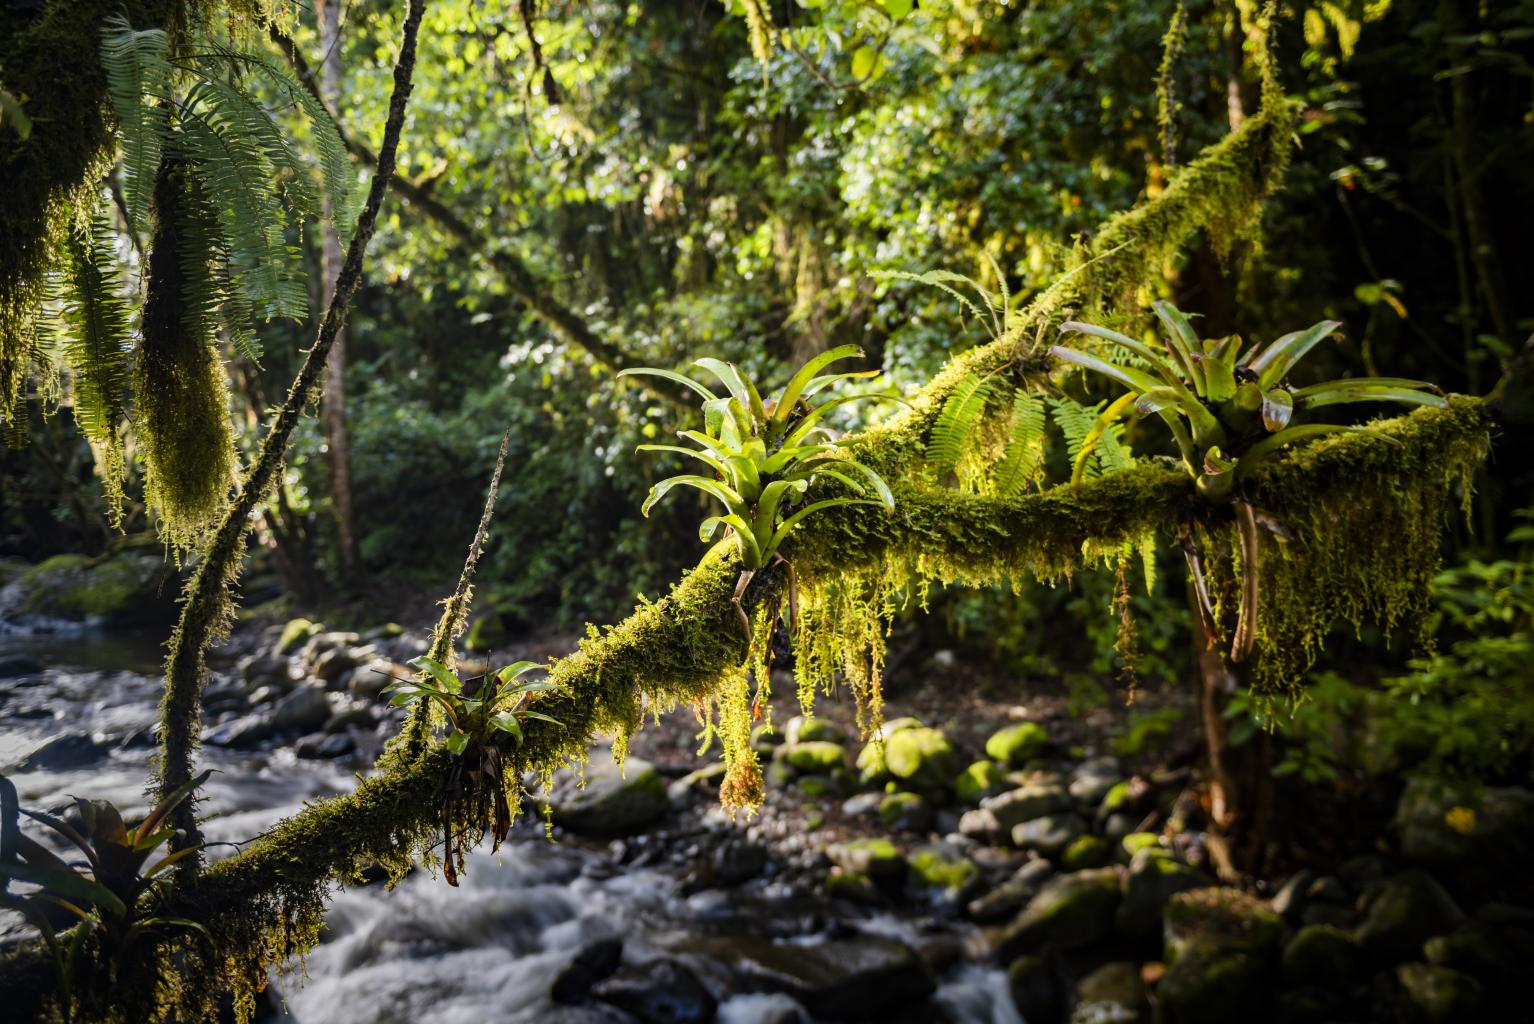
x=205, y=607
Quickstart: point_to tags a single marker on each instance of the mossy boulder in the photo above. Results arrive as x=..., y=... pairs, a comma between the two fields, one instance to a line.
x=1152, y=880
x=1016, y=806
x=1418, y=993
x=879, y=859
x=818, y=757
x=1406, y=911
x=613, y=800
x=980, y=780
x=1069, y=912
x=1222, y=957
x=1017, y=744
x=1086, y=852
x=1320, y=956
x=1040, y=988
x=808, y=729
x=1217, y=918
x=1112, y=993
x=905, y=812
x=922, y=758
x=1465, y=829
x=295, y=633
x=853, y=887
x=1050, y=835
x=870, y=760
x=1137, y=841
x=130, y=588
x=941, y=867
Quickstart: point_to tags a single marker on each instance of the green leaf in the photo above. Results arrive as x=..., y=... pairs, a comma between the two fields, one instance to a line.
x=1183, y=340
x=782, y=532
x=729, y=497
x=1161, y=362
x=671, y=375
x=1128, y=376
x=440, y=672
x=66, y=884
x=788, y=398
x=516, y=670
x=1270, y=445
x=1279, y=358
x=740, y=388
x=703, y=457
x=866, y=63
x=1111, y=414
x=1370, y=389
x=1277, y=409
x=541, y=717
x=508, y=723
x=457, y=741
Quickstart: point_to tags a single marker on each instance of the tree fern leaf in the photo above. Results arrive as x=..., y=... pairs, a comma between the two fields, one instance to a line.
x=1075, y=422
x=138, y=81
x=238, y=109
x=956, y=423
x=1022, y=460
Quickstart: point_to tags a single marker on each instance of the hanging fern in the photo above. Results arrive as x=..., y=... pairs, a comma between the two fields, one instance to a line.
x=1022, y=460
x=138, y=74
x=98, y=349
x=956, y=423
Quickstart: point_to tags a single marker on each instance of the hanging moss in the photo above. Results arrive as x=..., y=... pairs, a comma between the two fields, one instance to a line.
x=182, y=398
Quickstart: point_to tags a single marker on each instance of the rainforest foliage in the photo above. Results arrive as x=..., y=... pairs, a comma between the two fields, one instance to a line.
x=980, y=199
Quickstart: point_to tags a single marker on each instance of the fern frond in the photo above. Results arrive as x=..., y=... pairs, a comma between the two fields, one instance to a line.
x=237, y=109
x=956, y=423
x=1022, y=460
x=138, y=81
x=1075, y=422
x=335, y=167
x=944, y=280
x=98, y=349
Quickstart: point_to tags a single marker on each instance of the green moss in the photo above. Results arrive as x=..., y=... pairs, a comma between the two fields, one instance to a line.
x=980, y=780
x=942, y=871
x=296, y=632
x=1016, y=744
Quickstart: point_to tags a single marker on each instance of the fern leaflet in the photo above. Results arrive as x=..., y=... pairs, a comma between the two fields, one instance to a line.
x=956, y=423
x=1022, y=461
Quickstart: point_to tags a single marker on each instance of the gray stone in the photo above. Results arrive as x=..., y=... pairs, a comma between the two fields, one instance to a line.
x=1465, y=829
x=1088, y=790
x=64, y=753
x=1410, y=909
x=304, y=710
x=802, y=729
x=737, y=859
x=1049, y=836
x=323, y=747
x=1012, y=895
x=662, y=992
x=245, y=733
x=1221, y=951
x=1019, y=805
x=268, y=670
x=1112, y=994
x=1418, y=993
x=1327, y=889
x=612, y=801
x=860, y=977
x=879, y=859
x=1289, y=902
x=1040, y=988
x=1069, y=912
x=1320, y=956
x=980, y=825
x=333, y=665
x=1152, y=881
x=905, y=812
x=863, y=803
x=593, y=962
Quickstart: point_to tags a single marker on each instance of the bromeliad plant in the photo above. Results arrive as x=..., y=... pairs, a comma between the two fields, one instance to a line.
x=480, y=711
x=765, y=454
x=1229, y=410
x=115, y=895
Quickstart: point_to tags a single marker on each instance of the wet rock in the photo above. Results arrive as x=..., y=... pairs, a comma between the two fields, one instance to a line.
x=879, y=859
x=323, y=747
x=819, y=757
x=1483, y=950
x=922, y=757
x=1410, y=909
x=855, y=888
x=980, y=780
x=1132, y=797
x=737, y=859
x=368, y=681
x=870, y=761
x=13, y=666
x=905, y=812
x=1119, y=826
x=980, y=825
x=681, y=791
x=1012, y=895
x=1050, y=835
x=1017, y=744
x=1465, y=829
x=332, y=665
x=803, y=729
x=1040, y=988
x=245, y=733
x=859, y=977
x=1112, y=994
x=1019, y=805
x=1152, y=880
x=1320, y=956
x=1327, y=889
x=1221, y=948
x=1069, y=912
x=1086, y=852
x=296, y=633
x=1418, y=993
x=666, y=992
x=863, y=803
x=595, y=961
x=64, y=753
x=1222, y=919
x=363, y=719
x=613, y=801
x=266, y=671
x=304, y=710
x=1289, y=901
x=942, y=866
x=222, y=698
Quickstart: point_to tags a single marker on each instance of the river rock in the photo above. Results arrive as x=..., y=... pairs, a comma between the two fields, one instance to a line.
x=1320, y=956
x=1407, y=911
x=1289, y=902
x=1013, y=894
x=863, y=803
x=332, y=665
x=325, y=746
x=613, y=800
x=808, y=729
x=879, y=859
x=64, y=753
x=943, y=866
x=368, y=681
x=1017, y=744
x=905, y=812
x=815, y=758
x=13, y=666
x=1016, y=806
x=306, y=709
x=870, y=761
x=1418, y=993
x=1040, y=988
x=1152, y=880
x=266, y=670
x=1050, y=835
x=593, y=962
x=248, y=732
x=1221, y=950
x=922, y=757
x=980, y=825
x=1465, y=829
x=980, y=780
x=860, y=977
x=663, y=992
x=1112, y=994
x=319, y=643
x=1069, y=912
x=737, y=859
x=295, y=633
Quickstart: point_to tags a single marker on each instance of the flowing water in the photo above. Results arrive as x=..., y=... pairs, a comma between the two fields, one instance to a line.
x=427, y=953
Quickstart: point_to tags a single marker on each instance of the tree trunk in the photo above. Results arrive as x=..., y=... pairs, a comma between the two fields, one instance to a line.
x=337, y=438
